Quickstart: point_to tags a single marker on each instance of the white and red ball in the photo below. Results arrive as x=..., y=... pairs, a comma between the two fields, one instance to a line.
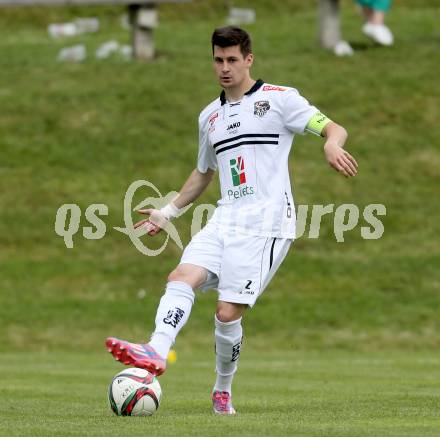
x=134, y=392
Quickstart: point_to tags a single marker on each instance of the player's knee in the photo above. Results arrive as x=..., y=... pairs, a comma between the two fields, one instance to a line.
x=192, y=276
x=228, y=312
x=175, y=275
x=225, y=315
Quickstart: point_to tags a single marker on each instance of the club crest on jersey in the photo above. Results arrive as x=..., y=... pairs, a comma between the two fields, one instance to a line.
x=261, y=107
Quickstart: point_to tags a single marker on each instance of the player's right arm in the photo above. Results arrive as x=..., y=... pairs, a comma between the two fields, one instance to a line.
x=190, y=191
x=194, y=186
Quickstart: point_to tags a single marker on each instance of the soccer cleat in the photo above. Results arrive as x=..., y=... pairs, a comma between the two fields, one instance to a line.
x=138, y=355
x=221, y=402
x=379, y=33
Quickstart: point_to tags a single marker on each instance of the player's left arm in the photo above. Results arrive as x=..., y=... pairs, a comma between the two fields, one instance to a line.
x=335, y=138
x=338, y=158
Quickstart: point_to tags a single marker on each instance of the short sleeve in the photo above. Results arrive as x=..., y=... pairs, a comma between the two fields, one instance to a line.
x=206, y=158
x=297, y=111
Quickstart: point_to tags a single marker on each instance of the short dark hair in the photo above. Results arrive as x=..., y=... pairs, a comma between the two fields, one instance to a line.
x=232, y=36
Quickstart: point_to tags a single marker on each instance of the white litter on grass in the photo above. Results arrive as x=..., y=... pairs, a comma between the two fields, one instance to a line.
x=141, y=293
x=78, y=27
x=343, y=48
x=241, y=16
x=106, y=49
x=57, y=30
x=73, y=54
x=126, y=51
x=87, y=25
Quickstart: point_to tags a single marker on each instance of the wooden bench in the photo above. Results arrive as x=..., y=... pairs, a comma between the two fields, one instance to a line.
x=143, y=18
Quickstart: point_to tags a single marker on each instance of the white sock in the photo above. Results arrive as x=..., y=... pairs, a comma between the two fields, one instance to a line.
x=161, y=342
x=228, y=339
x=172, y=314
x=224, y=383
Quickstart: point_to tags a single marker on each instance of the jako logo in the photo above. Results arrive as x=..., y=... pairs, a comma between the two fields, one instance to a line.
x=233, y=126
x=237, y=171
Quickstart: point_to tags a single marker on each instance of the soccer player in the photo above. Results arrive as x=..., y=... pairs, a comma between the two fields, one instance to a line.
x=246, y=133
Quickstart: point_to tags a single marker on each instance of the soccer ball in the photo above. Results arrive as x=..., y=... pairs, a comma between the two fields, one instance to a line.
x=134, y=392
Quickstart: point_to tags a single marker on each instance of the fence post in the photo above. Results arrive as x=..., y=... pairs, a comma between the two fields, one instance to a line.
x=329, y=24
x=143, y=19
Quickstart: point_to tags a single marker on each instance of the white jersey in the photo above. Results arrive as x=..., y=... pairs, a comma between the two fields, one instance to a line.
x=249, y=142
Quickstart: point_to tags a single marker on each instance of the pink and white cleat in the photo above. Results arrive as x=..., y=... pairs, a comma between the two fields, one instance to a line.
x=221, y=402
x=138, y=355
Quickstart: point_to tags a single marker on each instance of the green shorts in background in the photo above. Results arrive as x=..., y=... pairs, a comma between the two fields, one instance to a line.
x=381, y=5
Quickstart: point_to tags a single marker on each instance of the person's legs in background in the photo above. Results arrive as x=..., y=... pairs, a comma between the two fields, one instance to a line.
x=374, y=12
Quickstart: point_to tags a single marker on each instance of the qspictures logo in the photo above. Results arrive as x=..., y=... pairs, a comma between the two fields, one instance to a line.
x=70, y=219
x=238, y=175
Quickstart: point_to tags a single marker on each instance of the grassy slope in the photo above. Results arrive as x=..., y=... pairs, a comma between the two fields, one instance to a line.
x=83, y=133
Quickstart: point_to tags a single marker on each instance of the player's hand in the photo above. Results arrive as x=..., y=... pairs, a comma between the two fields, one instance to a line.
x=340, y=160
x=154, y=224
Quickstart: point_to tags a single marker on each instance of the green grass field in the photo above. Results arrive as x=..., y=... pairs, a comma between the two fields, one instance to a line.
x=352, y=329
x=311, y=393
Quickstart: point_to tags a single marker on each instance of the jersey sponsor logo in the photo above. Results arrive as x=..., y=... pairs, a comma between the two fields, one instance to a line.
x=273, y=88
x=212, y=118
x=174, y=316
x=261, y=107
x=238, y=175
x=237, y=171
x=241, y=192
x=233, y=127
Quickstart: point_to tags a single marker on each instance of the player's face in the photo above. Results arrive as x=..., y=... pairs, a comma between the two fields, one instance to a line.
x=231, y=68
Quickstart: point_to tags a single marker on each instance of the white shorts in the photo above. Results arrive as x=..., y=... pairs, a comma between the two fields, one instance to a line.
x=239, y=266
